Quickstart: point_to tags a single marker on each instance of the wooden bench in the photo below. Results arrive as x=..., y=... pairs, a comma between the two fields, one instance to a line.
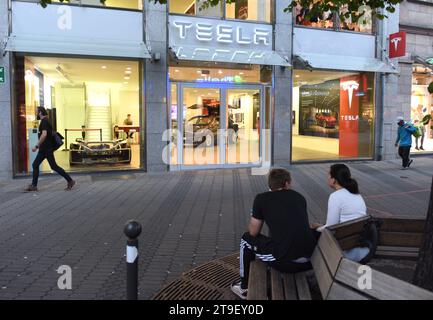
x=338, y=277
x=266, y=283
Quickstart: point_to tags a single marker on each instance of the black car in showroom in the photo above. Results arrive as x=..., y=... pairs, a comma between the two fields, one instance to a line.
x=203, y=131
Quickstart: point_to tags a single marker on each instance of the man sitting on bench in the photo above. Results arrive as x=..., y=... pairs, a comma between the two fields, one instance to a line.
x=291, y=243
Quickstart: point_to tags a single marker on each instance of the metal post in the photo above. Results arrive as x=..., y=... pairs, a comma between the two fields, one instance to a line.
x=132, y=230
x=66, y=140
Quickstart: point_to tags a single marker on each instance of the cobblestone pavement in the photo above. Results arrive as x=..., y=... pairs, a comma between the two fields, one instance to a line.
x=188, y=219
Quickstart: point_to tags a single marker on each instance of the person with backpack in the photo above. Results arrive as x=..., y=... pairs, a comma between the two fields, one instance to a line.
x=404, y=141
x=421, y=134
x=45, y=150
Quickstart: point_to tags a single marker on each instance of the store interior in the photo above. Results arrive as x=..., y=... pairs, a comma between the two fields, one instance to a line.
x=202, y=113
x=124, y=4
x=88, y=102
x=317, y=112
x=422, y=108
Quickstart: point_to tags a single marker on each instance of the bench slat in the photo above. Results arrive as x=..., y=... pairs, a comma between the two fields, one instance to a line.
x=289, y=287
x=348, y=228
x=302, y=286
x=349, y=242
x=257, y=283
x=277, y=285
x=338, y=292
x=395, y=224
x=384, y=287
x=323, y=276
x=331, y=251
x=400, y=239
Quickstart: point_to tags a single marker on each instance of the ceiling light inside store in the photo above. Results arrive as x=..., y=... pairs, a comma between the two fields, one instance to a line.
x=128, y=72
x=127, y=78
x=177, y=70
x=104, y=67
x=220, y=72
x=297, y=76
x=128, y=68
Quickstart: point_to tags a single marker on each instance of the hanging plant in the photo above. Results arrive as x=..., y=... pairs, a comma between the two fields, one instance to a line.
x=430, y=88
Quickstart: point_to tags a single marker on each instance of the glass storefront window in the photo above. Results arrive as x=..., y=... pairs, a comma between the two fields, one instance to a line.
x=194, y=8
x=331, y=20
x=124, y=4
x=94, y=104
x=333, y=115
x=250, y=74
x=422, y=109
x=252, y=10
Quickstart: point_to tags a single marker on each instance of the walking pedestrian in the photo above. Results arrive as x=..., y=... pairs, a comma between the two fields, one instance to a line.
x=45, y=151
x=404, y=141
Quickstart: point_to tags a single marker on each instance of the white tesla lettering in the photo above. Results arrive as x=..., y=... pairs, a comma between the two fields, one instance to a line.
x=225, y=34
x=241, y=38
x=219, y=53
x=204, y=32
x=261, y=35
x=350, y=86
x=182, y=26
x=350, y=118
x=201, y=52
x=396, y=41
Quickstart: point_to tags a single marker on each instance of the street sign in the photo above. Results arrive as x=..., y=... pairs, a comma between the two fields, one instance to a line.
x=2, y=74
x=429, y=61
x=397, y=45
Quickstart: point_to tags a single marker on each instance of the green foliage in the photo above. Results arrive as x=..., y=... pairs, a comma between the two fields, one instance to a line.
x=430, y=88
x=355, y=8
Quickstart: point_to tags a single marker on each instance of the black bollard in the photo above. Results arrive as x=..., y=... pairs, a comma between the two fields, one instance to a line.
x=132, y=230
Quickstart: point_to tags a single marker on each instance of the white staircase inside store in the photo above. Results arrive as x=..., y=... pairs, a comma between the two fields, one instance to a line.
x=99, y=118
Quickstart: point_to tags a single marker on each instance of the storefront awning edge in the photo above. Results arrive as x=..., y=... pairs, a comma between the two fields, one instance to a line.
x=76, y=46
x=229, y=56
x=345, y=63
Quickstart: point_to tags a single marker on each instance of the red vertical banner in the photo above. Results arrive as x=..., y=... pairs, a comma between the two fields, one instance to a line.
x=349, y=116
x=397, y=45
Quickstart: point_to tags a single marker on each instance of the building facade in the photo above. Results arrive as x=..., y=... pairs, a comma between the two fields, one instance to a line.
x=141, y=86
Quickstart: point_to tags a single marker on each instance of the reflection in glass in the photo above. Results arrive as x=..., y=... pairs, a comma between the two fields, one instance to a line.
x=333, y=115
x=201, y=125
x=243, y=124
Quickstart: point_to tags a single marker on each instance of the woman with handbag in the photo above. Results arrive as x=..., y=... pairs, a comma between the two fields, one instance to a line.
x=46, y=151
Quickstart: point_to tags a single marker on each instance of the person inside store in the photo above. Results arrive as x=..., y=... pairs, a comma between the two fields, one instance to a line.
x=291, y=245
x=45, y=149
x=83, y=132
x=128, y=122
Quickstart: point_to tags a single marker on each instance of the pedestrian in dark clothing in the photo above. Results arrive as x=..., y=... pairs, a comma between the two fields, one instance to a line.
x=291, y=243
x=45, y=147
x=404, y=141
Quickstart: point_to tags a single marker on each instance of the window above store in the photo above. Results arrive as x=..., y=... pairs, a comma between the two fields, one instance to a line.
x=120, y=4
x=331, y=20
x=250, y=10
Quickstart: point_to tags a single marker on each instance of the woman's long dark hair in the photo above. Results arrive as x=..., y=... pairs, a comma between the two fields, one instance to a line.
x=341, y=173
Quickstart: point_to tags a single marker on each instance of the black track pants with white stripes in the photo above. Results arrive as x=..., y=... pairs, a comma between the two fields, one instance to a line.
x=261, y=247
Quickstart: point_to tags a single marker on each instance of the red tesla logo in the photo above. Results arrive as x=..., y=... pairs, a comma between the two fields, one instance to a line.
x=397, y=44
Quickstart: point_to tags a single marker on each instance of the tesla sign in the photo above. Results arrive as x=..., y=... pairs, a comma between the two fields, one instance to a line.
x=397, y=45
x=194, y=37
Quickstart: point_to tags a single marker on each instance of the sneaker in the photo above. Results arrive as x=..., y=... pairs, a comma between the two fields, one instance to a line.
x=31, y=188
x=421, y=148
x=71, y=184
x=410, y=162
x=237, y=290
x=416, y=148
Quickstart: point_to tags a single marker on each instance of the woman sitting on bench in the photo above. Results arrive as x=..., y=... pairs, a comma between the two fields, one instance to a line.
x=345, y=204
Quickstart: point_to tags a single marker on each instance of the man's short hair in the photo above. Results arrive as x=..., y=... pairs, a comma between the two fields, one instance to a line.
x=278, y=177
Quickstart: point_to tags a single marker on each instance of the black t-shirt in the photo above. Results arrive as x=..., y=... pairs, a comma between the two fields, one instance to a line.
x=46, y=125
x=285, y=213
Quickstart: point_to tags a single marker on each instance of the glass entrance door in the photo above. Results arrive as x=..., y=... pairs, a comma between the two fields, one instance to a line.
x=216, y=125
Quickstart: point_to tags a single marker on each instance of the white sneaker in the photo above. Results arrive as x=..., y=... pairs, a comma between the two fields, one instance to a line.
x=237, y=290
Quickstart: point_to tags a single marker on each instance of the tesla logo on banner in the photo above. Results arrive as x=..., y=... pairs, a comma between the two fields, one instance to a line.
x=350, y=86
x=397, y=44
